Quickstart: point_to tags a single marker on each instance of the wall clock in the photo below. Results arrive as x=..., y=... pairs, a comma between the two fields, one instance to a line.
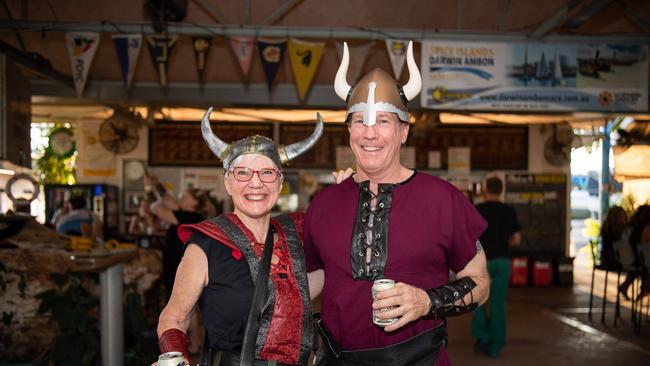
x=62, y=143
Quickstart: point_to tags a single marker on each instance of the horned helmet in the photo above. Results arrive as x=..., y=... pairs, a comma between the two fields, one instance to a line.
x=256, y=144
x=378, y=91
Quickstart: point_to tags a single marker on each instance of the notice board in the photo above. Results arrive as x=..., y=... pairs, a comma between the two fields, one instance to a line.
x=182, y=143
x=323, y=154
x=540, y=202
x=491, y=148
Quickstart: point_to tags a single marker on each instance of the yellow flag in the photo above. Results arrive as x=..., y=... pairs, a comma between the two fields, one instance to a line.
x=305, y=57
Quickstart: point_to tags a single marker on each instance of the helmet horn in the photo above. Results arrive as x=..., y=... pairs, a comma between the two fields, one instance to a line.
x=298, y=148
x=341, y=83
x=214, y=143
x=414, y=85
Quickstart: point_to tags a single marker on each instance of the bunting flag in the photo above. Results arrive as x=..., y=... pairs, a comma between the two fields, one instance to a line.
x=358, y=56
x=271, y=54
x=305, y=58
x=128, y=48
x=160, y=50
x=81, y=49
x=201, y=46
x=242, y=47
x=397, y=54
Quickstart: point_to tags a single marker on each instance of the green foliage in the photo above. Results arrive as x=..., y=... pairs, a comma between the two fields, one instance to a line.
x=69, y=305
x=55, y=170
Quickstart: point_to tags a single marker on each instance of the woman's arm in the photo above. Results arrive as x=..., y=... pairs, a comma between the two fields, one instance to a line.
x=191, y=278
x=316, y=281
x=164, y=213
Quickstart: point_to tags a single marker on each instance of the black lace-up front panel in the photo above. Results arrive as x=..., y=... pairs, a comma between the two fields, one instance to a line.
x=369, y=250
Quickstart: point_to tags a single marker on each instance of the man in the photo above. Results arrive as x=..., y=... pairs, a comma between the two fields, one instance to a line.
x=388, y=221
x=489, y=331
x=79, y=220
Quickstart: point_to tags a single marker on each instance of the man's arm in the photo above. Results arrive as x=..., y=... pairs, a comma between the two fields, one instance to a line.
x=413, y=303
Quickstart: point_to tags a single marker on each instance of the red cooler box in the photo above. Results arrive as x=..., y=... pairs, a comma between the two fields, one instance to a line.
x=542, y=273
x=519, y=272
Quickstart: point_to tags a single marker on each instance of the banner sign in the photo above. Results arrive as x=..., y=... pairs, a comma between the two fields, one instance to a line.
x=201, y=46
x=160, y=50
x=271, y=54
x=128, y=48
x=397, y=54
x=304, y=57
x=81, y=49
x=242, y=47
x=534, y=76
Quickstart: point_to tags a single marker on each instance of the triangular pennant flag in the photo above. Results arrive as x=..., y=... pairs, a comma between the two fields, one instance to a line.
x=304, y=57
x=81, y=49
x=397, y=54
x=358, y=56
x=201, y=46
x=271, y=54
x=128, y=48
x=160, y=50
x=242, y=47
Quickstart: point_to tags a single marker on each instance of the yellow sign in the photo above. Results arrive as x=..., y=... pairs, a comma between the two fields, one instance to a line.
x=305, y=57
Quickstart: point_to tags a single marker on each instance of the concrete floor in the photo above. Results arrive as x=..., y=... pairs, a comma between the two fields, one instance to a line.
x=550, y=326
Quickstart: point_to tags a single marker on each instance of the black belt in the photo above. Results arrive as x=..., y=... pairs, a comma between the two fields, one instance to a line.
x=420, y=350
x=232, y=358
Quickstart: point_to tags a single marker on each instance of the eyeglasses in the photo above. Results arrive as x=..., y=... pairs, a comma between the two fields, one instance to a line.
x=244, y=174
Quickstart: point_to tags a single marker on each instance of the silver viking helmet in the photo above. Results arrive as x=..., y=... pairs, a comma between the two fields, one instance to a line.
x=378, y=91
x=280, y=154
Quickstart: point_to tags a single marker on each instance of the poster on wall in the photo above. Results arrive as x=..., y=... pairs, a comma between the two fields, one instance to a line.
x=534, y=76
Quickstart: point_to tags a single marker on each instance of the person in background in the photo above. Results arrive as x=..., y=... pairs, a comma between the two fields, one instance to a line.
x=640, y=224
x=144, y=224
x=186, y=210
x=389, y=222
x=64, y=209
x=79, y=220
x=615, y=223
x=503, y=231
x=248, y=321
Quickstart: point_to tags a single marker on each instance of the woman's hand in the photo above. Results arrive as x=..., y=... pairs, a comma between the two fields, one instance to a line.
x=341, y=175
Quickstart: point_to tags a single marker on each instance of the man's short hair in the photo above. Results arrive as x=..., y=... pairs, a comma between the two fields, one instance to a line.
x=493, y=185
x=78, y=202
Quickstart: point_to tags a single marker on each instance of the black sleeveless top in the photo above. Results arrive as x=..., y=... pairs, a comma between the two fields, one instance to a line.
x=226, y=301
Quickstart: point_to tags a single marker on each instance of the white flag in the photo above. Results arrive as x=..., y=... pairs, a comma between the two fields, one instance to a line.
x=397, y=53
x=358, y=56
x=128, y=48
x=81, y=48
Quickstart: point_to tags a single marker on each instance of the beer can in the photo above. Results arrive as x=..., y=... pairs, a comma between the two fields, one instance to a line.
x=172, y=359
x=377, y=286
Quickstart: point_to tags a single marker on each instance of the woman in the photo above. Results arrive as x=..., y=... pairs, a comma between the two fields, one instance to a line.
x=220, y=267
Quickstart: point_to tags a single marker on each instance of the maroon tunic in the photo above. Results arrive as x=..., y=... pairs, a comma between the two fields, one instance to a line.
x=432, y=229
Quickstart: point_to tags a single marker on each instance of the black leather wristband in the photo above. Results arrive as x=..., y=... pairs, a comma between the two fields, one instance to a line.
x=448, y=300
